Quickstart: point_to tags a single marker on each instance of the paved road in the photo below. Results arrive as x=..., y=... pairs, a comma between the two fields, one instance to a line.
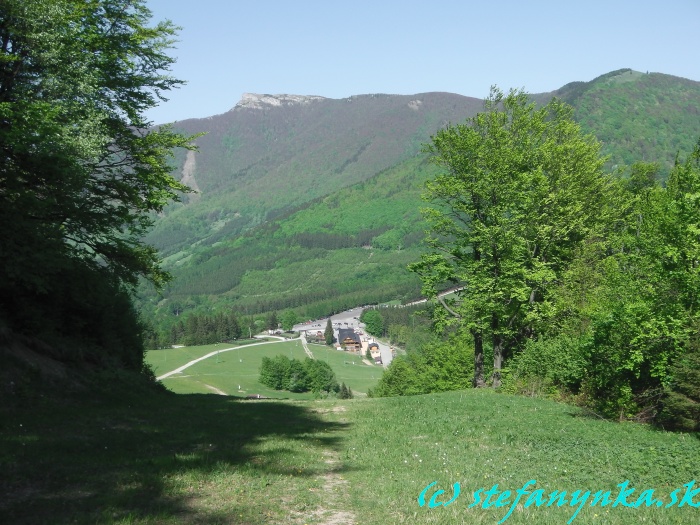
x=343, y=318
x=385, y=351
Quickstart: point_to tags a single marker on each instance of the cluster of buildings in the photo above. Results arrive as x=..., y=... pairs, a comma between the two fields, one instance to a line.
x=351, y=340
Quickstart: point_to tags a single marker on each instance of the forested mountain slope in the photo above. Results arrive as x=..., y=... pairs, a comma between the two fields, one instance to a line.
x=345, y=249
x=270, y=154
x=638, y=116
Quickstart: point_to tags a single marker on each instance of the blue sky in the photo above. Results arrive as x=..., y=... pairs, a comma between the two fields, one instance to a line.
x=339, y=48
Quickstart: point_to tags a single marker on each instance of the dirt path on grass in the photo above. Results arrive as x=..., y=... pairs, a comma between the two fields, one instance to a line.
x=334, y=486
x=306, y=347
x=215, y=390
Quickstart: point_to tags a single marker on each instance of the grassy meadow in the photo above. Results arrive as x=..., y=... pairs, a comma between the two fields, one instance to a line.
x=398, y=446
x=349, y=369
x=140, y=456
x=240, y=367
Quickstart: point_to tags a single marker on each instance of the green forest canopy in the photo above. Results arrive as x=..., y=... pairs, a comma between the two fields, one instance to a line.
x=82, y=171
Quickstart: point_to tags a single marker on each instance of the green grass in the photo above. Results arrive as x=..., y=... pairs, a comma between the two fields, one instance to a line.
x=162, y=361
x=398, y=446
x=349, y=368
x=138, y=456
x=142, y=457
x=234, y=368
x=241, y=368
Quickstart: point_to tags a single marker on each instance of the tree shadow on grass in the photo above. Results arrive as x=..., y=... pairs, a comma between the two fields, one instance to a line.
x=146, y=457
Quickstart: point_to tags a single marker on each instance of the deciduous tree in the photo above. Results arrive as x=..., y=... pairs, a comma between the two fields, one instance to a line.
x=374, y=324
x=288, y=319
x=522, y=186
x=82, y=171
x=644, y=333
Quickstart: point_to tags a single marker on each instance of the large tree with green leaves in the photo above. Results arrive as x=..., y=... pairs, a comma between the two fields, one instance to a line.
x=522, y=187
x=374, y=324
x=288, y=319
x=82, y=171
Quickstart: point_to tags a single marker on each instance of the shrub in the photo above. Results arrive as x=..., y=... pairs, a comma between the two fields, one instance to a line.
x=547, y=367
x=283, y=373
x=681, y=402
x=435, y=367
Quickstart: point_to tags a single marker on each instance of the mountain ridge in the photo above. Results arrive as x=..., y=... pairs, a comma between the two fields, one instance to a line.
x=265, y=101
x=304, y=151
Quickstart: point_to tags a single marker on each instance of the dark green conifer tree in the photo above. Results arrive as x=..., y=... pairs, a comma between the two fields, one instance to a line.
x=328, y=333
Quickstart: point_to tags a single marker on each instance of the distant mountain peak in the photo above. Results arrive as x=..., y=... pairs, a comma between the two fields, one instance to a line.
x=258, y=101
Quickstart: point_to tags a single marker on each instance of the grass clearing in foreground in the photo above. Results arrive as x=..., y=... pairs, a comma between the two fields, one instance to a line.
x=138, y=456
x=398, y=446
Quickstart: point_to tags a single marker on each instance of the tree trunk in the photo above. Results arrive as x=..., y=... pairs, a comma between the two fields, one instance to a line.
x=497, y=361
x=497, y=352
x=478, y=381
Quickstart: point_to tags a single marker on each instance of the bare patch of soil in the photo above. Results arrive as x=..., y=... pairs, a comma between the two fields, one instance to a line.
x=335, y=409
